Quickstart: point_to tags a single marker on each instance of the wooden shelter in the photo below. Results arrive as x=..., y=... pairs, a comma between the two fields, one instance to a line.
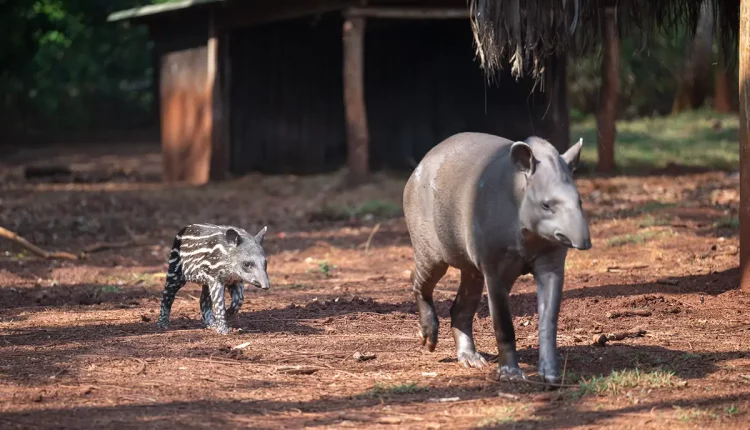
x=531, y=32
x=304, y=86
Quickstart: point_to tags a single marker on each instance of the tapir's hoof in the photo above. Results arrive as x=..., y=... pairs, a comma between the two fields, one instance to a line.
x=508, y=373
x=220, y=329
x=550, y=379
x=162, y=324
x=430, y=341
x=472, y=359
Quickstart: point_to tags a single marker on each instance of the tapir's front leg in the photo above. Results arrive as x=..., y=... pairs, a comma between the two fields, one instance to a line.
x=499, y=285
x=549, y=273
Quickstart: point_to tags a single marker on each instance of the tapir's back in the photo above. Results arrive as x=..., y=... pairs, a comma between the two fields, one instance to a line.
x=446, y=196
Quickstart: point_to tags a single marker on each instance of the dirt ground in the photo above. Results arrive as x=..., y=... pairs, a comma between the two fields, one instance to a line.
x=79, y=347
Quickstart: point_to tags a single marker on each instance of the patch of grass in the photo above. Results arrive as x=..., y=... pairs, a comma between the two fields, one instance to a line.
x=110, y=289
x=686, y=415
x=731, y=410
x=699, y=138
x=325, y=268
x=732, y=222
x=633, y=238
x=621, y=380
x=653, y=206
x=503, y=415
x=380, y=390
x=650, y=221
x=690, y=356
x=377, y=208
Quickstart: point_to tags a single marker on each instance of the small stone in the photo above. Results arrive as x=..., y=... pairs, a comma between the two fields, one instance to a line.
x=363, y=357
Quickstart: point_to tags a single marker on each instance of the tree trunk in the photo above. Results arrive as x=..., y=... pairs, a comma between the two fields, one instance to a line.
x=694, y=83
x=609, y=93
x=354, y=100
x=744, y=81
x=722, y=89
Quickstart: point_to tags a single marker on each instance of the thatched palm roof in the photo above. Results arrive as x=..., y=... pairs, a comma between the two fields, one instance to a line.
x=525, y=32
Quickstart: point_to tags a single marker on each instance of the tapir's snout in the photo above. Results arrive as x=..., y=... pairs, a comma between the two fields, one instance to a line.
x=586, y=245
x=575, y=233
x=260, y=281
x=581, y=244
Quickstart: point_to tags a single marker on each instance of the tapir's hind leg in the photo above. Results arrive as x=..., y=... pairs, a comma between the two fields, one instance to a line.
x=425, y=276
x=462, y=319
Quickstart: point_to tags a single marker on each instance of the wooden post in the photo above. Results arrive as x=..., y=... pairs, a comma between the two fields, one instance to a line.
x=609, y=93
x=744, y=216
x=217, y=85
x=357, y=138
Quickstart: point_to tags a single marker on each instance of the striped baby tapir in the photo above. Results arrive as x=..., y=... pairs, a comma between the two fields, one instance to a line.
x=217, y=257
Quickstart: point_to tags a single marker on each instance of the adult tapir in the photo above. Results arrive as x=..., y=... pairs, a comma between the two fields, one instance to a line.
x=494, y=209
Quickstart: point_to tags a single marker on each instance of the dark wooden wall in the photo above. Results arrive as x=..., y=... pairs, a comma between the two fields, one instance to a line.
x=422, y=84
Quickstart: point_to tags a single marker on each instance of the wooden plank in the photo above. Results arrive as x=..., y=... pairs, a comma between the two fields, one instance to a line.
x=357, y=137
x=609, y=93
x=744, y=78
x=186, y=123
x=407, y=13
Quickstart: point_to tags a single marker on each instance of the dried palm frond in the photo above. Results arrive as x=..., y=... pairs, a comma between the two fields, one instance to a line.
x=526, y=32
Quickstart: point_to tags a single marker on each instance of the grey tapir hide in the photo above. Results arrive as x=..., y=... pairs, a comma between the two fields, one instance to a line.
x=494, y=209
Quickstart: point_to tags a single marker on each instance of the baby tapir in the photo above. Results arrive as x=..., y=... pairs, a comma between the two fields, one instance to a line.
x=214, y=256
x=494, y=209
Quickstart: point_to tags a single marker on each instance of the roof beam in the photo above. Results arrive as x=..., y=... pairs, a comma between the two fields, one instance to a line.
x=407, y=13
x=155, y=9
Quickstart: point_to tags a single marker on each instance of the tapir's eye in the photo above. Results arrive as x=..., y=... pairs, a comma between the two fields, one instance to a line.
x=247, y=264
x=546, y=206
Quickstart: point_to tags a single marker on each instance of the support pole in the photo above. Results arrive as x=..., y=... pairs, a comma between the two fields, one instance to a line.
x=744, y=216
x=357, y=137
x=608, y=94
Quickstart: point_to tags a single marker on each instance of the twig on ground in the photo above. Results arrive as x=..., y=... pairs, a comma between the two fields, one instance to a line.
x=12, y=236
x=508, y=396
x=143, y=365
x=369, y=238
x=629, y=313
x=565, y=367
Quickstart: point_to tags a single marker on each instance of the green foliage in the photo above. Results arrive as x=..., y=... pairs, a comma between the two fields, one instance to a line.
x=65, y=67
x=649, y=67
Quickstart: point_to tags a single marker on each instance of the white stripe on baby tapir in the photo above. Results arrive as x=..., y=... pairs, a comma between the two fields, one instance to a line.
x=202, y=237
x=210, y=266
x=216, y=247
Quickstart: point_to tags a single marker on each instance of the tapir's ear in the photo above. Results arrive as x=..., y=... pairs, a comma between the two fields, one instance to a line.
x=573, y=154
x=522, y=157
x=232, y=236
x=261, y=234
